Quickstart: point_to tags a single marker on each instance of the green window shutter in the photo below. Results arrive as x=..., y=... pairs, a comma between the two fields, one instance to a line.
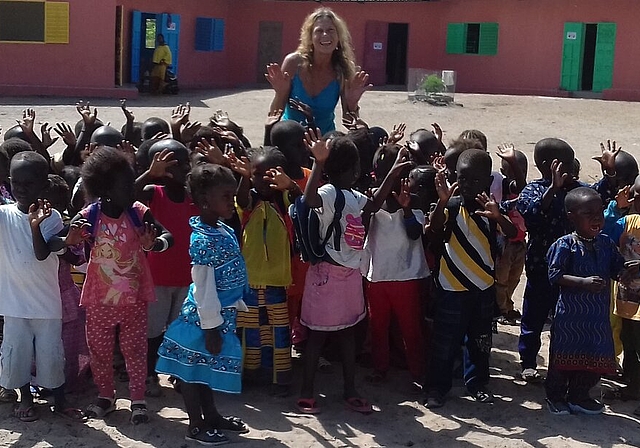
x=456, y=38
x=488, y=38
x=572, y=56
x=605, y=53
x=56, y=22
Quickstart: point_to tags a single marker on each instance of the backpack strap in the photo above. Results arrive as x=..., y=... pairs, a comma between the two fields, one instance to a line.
x=92, y=217
x=135, y=218
x=336, y=228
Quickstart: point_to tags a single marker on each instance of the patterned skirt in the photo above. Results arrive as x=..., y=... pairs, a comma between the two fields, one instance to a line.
x=183, y=355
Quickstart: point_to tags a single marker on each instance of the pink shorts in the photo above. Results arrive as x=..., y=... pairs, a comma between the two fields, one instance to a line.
x=333, y=298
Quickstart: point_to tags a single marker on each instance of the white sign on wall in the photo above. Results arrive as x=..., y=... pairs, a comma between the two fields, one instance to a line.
x=377, y=45
x=572, y=35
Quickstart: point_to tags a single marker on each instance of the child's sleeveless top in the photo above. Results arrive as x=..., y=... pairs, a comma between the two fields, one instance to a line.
x=323, y=105
x=118, y=272
x=173, y=266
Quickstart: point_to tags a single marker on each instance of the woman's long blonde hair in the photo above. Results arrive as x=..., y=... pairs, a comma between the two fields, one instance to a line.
x=343, y=58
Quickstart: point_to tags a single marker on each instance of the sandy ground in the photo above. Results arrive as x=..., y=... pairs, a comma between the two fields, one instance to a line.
x=517, y=419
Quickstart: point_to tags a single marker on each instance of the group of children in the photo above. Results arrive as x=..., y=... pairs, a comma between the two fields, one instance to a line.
x=193, y=262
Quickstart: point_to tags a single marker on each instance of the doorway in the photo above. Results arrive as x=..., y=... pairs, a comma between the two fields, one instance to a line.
x=269, y=47
x=397, y=53
x=588, y=56
x=145, y=26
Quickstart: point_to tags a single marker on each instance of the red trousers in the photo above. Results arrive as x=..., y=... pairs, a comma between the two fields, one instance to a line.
x=101, y=336
x=402, y=300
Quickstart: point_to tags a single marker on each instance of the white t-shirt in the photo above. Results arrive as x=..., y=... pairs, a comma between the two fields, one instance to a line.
x=389, y=254
x=30, y=288
x=353, y=232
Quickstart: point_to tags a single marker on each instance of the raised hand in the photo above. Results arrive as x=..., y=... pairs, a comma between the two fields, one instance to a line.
x=161, y=163
x=403, y=160
x=45, y=131
x=129, y=151
x=443, y=189
x=397, y=133
x=273, y=117
x=279, y=80
x=88, y=117
x=39, y=211
x=148, y=236
x=278, y=180
x=624, y=198
x=127, y=113
x=490, y=207
x=507, y=152
x=437, y=131
x=189, y=131
x=180, y=115
x=438, y=164
x=404, y=197
x=303, y=108
x=160, y=136
x=317, y=146
x=78, y=232
x=65, y=131
x=355, y=88
x=28, y=120
x=353, y=122
x=559, y=178
x=212, y=152
x=240, y=165
x=607, y=158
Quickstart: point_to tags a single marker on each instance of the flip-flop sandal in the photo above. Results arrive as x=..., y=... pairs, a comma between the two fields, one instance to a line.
x=308, y=406
x=98, y=410
x=29, y=414
x=8, y=395
x=233, y=424
x=70, y=413
x=360, y=405
x=324, y=366
x=139, y=414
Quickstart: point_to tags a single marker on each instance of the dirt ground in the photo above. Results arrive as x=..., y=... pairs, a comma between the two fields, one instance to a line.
x=517, y=419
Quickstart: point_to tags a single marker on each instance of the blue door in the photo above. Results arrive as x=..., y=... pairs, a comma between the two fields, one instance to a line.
x=170, y=29
x=136, y=41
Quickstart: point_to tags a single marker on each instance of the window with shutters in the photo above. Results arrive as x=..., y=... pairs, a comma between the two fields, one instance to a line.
x=34, y=21
x=472, y=38
x=209, y=34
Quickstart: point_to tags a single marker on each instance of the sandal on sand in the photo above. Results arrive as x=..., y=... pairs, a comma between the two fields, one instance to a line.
x=210, y=438
x=139, y=413
x=70, y=413
x=100, y=409
x=482, y=396
x=357, y=404
x=8, y=395
x=308, y=406
x=233, y=424
x=28, y=414
x=324, y=366
x=376, y=377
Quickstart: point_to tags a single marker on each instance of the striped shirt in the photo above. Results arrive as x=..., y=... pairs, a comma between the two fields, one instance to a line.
x=467, y=262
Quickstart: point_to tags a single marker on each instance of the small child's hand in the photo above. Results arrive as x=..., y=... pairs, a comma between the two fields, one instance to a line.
x=127, y=113
x=404, y=197
x=402, y=161
x=623, y=198
x=78, y=232
x=437, y=131
x=607, y=158
x=490, y=206
x=189, y=131
x=594, y=283
x=129, y=151
x=212, y=152
x=278, y=180
x=303, y=108
x=65, y=131
x=212, y=341
x=45, y=131
x=148, y=236
x=39, y=211
x=28, y=120
x=273, y=117
x=180, y=115
x=507, y=152
x=240, y=165
x=316, y=145
x=443, y=189
x=88, y=117
x=161, y=163
x=353, y=122
x=560, y=179
x=438, y=164
x=397, y=133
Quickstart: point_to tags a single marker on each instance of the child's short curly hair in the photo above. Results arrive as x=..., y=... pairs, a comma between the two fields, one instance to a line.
x=206, y=176
x=100, y=169
x=271, y=154
x=343, y=156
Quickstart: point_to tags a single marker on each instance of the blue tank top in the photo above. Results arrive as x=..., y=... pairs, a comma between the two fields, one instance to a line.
x=323, y=105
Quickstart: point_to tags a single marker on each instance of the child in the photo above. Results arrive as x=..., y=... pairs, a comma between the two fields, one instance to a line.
x=333, y=301
x=394, y=264
x=201, y=347
x=465, y=278
x=541, y=204
x=76, y=352
x=171, y=270
x=118, y=285
x=510, y=263
x=266, y=246
x=429, y=146
x=31, y=303
x=581, y=264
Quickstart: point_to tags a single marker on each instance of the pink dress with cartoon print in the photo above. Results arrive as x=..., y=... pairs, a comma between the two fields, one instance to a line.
x=118, y=272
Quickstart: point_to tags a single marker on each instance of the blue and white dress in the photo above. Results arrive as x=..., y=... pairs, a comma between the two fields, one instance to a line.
x=219, y=284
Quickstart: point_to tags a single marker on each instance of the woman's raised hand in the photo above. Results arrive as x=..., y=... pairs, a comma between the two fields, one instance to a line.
x=279, y=80
x=355, y=88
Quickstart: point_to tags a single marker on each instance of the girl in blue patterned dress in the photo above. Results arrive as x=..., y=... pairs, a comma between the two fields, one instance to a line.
x=200, y=347
x=582, y=264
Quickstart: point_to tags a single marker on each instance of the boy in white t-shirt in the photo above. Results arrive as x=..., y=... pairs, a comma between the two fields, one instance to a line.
x=31, y=304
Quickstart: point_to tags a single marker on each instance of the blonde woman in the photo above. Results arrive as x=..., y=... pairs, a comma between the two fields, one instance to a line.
x=318, y=74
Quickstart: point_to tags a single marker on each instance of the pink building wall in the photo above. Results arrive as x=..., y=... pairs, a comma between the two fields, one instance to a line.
x=528, y=60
